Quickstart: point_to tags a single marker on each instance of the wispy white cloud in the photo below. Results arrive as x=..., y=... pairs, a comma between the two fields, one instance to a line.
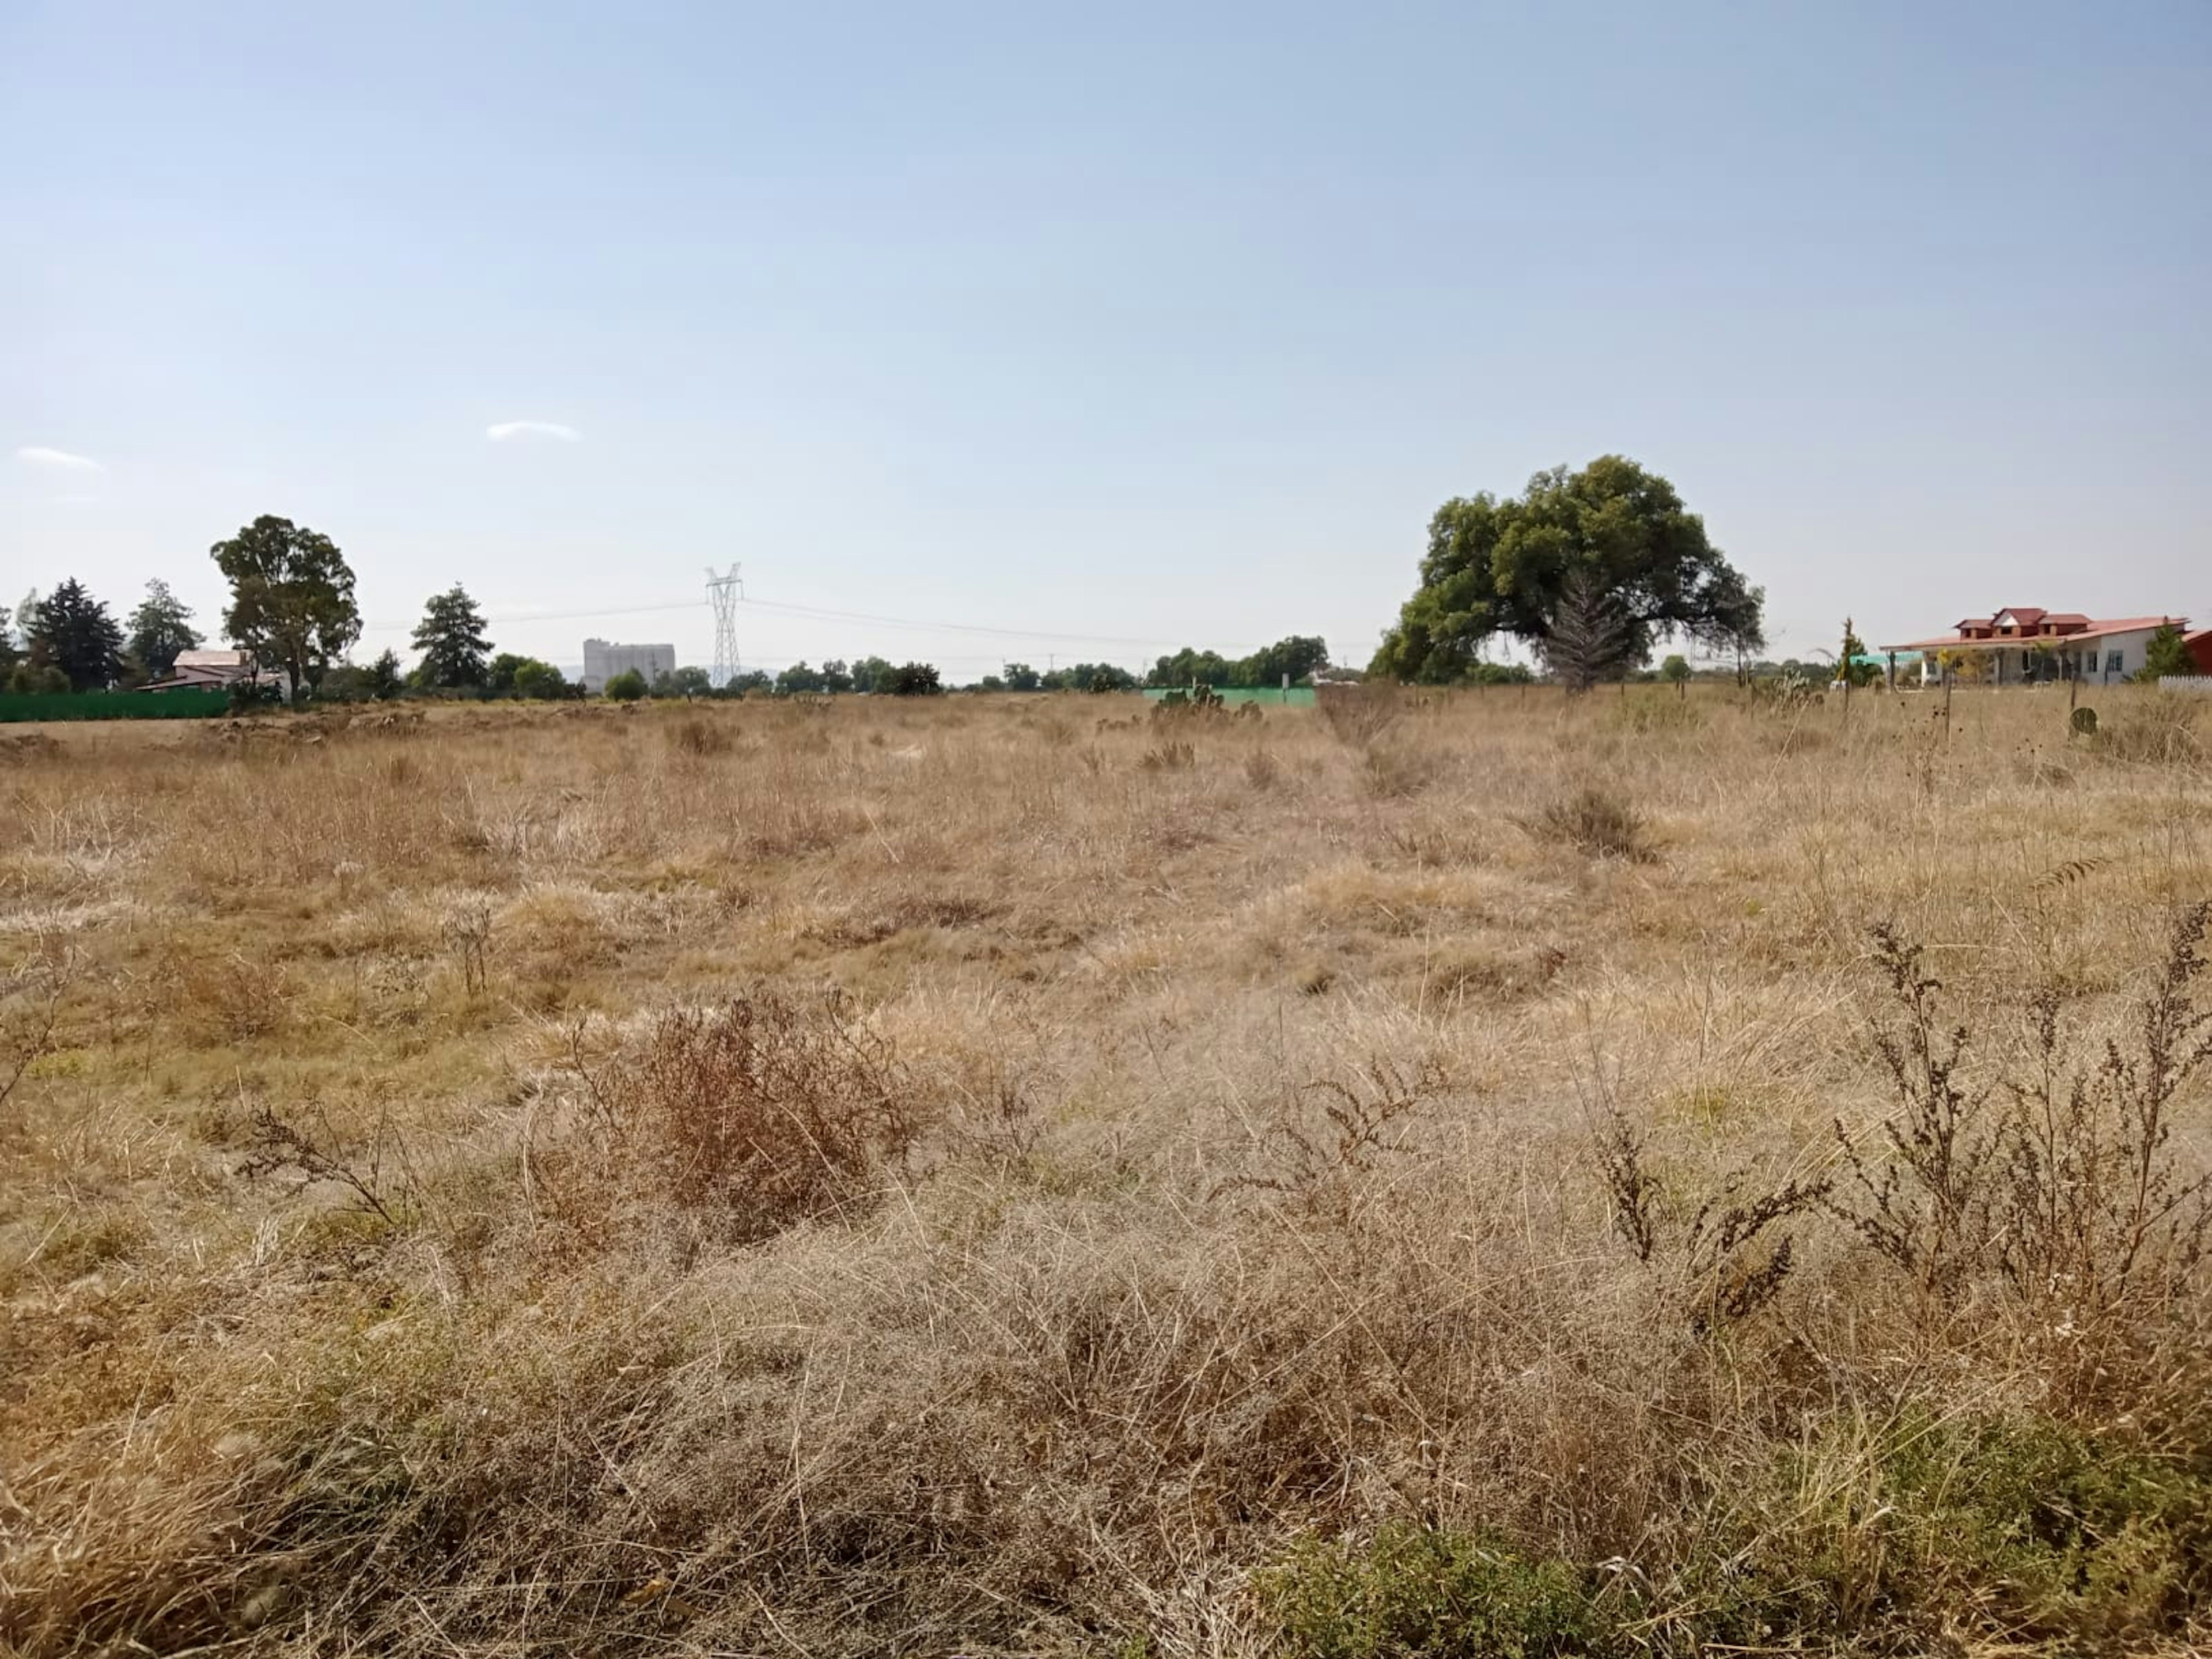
x=57, y=460
x=506, y=429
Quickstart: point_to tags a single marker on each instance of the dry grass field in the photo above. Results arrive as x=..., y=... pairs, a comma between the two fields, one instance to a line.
x=1457, y=1175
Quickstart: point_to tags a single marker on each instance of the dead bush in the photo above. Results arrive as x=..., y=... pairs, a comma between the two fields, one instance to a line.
x=2161, y=731
x=1358, y=715
x=767, y=1111
x=1443, y=843
x=1173, y=755
x=1396, y=771
x=30, y=1008
x=699, y=738
x=2061, y=1182
x=1335, y=1130
x=1731, y=1259
x=370, y=1163
x=1597, y=822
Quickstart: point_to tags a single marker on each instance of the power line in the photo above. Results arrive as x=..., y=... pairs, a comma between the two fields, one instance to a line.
x=824, y=614
x=552, y=616
x=819, y=613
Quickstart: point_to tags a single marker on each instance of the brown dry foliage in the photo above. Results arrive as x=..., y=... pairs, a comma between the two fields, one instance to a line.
x=888, y=1177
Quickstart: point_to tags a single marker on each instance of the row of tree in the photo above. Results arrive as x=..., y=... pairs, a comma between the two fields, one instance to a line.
x=1590, y=568
x=293, y=605
x=68, y=640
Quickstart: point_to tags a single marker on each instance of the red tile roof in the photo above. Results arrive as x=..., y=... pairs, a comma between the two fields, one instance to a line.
x=2095, y=630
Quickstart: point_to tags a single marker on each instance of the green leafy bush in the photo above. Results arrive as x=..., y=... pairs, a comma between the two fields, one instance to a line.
x=1414, y=1592
x=625, y=687
x=2017, y=1529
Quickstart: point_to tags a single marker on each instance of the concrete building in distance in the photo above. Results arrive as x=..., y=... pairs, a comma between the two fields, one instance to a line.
x=604, y=660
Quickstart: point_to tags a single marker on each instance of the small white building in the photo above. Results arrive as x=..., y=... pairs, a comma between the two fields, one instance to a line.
x=604, y=660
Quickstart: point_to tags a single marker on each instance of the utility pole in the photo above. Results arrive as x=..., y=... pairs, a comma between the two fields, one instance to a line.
x=724, y=592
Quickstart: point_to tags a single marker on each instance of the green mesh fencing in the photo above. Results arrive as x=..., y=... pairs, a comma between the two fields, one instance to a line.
x=188, y=705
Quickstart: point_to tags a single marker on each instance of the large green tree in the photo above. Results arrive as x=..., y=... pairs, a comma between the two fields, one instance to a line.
x=451, y=637
x=1092, y=677
x=73, y=632
x=1503, y=567
x=160, y=628
x=1299, y=656
x=292, y=601
x=871, y=674
x=1193, y=667
x=913, y=679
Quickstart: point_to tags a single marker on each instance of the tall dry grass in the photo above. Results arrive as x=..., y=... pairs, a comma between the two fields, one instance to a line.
x=927, y=1178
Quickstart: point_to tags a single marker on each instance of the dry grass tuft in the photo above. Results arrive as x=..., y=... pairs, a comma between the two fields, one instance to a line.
x=1595, y=821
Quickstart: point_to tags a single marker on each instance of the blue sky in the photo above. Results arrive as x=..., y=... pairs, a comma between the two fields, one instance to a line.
x=1153, y=325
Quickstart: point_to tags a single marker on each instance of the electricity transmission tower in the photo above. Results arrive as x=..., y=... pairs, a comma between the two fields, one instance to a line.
x=725, y=592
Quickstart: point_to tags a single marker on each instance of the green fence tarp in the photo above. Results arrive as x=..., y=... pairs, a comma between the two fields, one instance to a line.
x=15, y=705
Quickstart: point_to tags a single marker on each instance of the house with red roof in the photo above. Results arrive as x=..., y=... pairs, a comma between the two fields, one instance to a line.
x=2024, y=644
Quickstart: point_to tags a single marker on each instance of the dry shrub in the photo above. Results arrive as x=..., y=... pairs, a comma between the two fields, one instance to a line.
x=1445, y=843
x=226, y=999
x=699, y=738
x=28, y=748
x=1337, y=1130
x=2061, y=1182
x=766, y=1111
x=2163, y=730
x=1358, y=715
x=30, y=1008
x=1262, y=770
x=368, y=1163
x=1598, y=823
x=1396, y=771
x=1173, y=755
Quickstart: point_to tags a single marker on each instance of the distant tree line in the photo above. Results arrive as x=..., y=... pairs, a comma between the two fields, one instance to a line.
x=1296, y=658
x=293, y=610
x=68, y=640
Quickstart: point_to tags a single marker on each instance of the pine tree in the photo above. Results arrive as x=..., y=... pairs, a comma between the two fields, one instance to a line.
x=383, y=679
x=160, y=629
x=2166, y=654
x=1847, y=670
x=451, y=638
x=74, y=634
